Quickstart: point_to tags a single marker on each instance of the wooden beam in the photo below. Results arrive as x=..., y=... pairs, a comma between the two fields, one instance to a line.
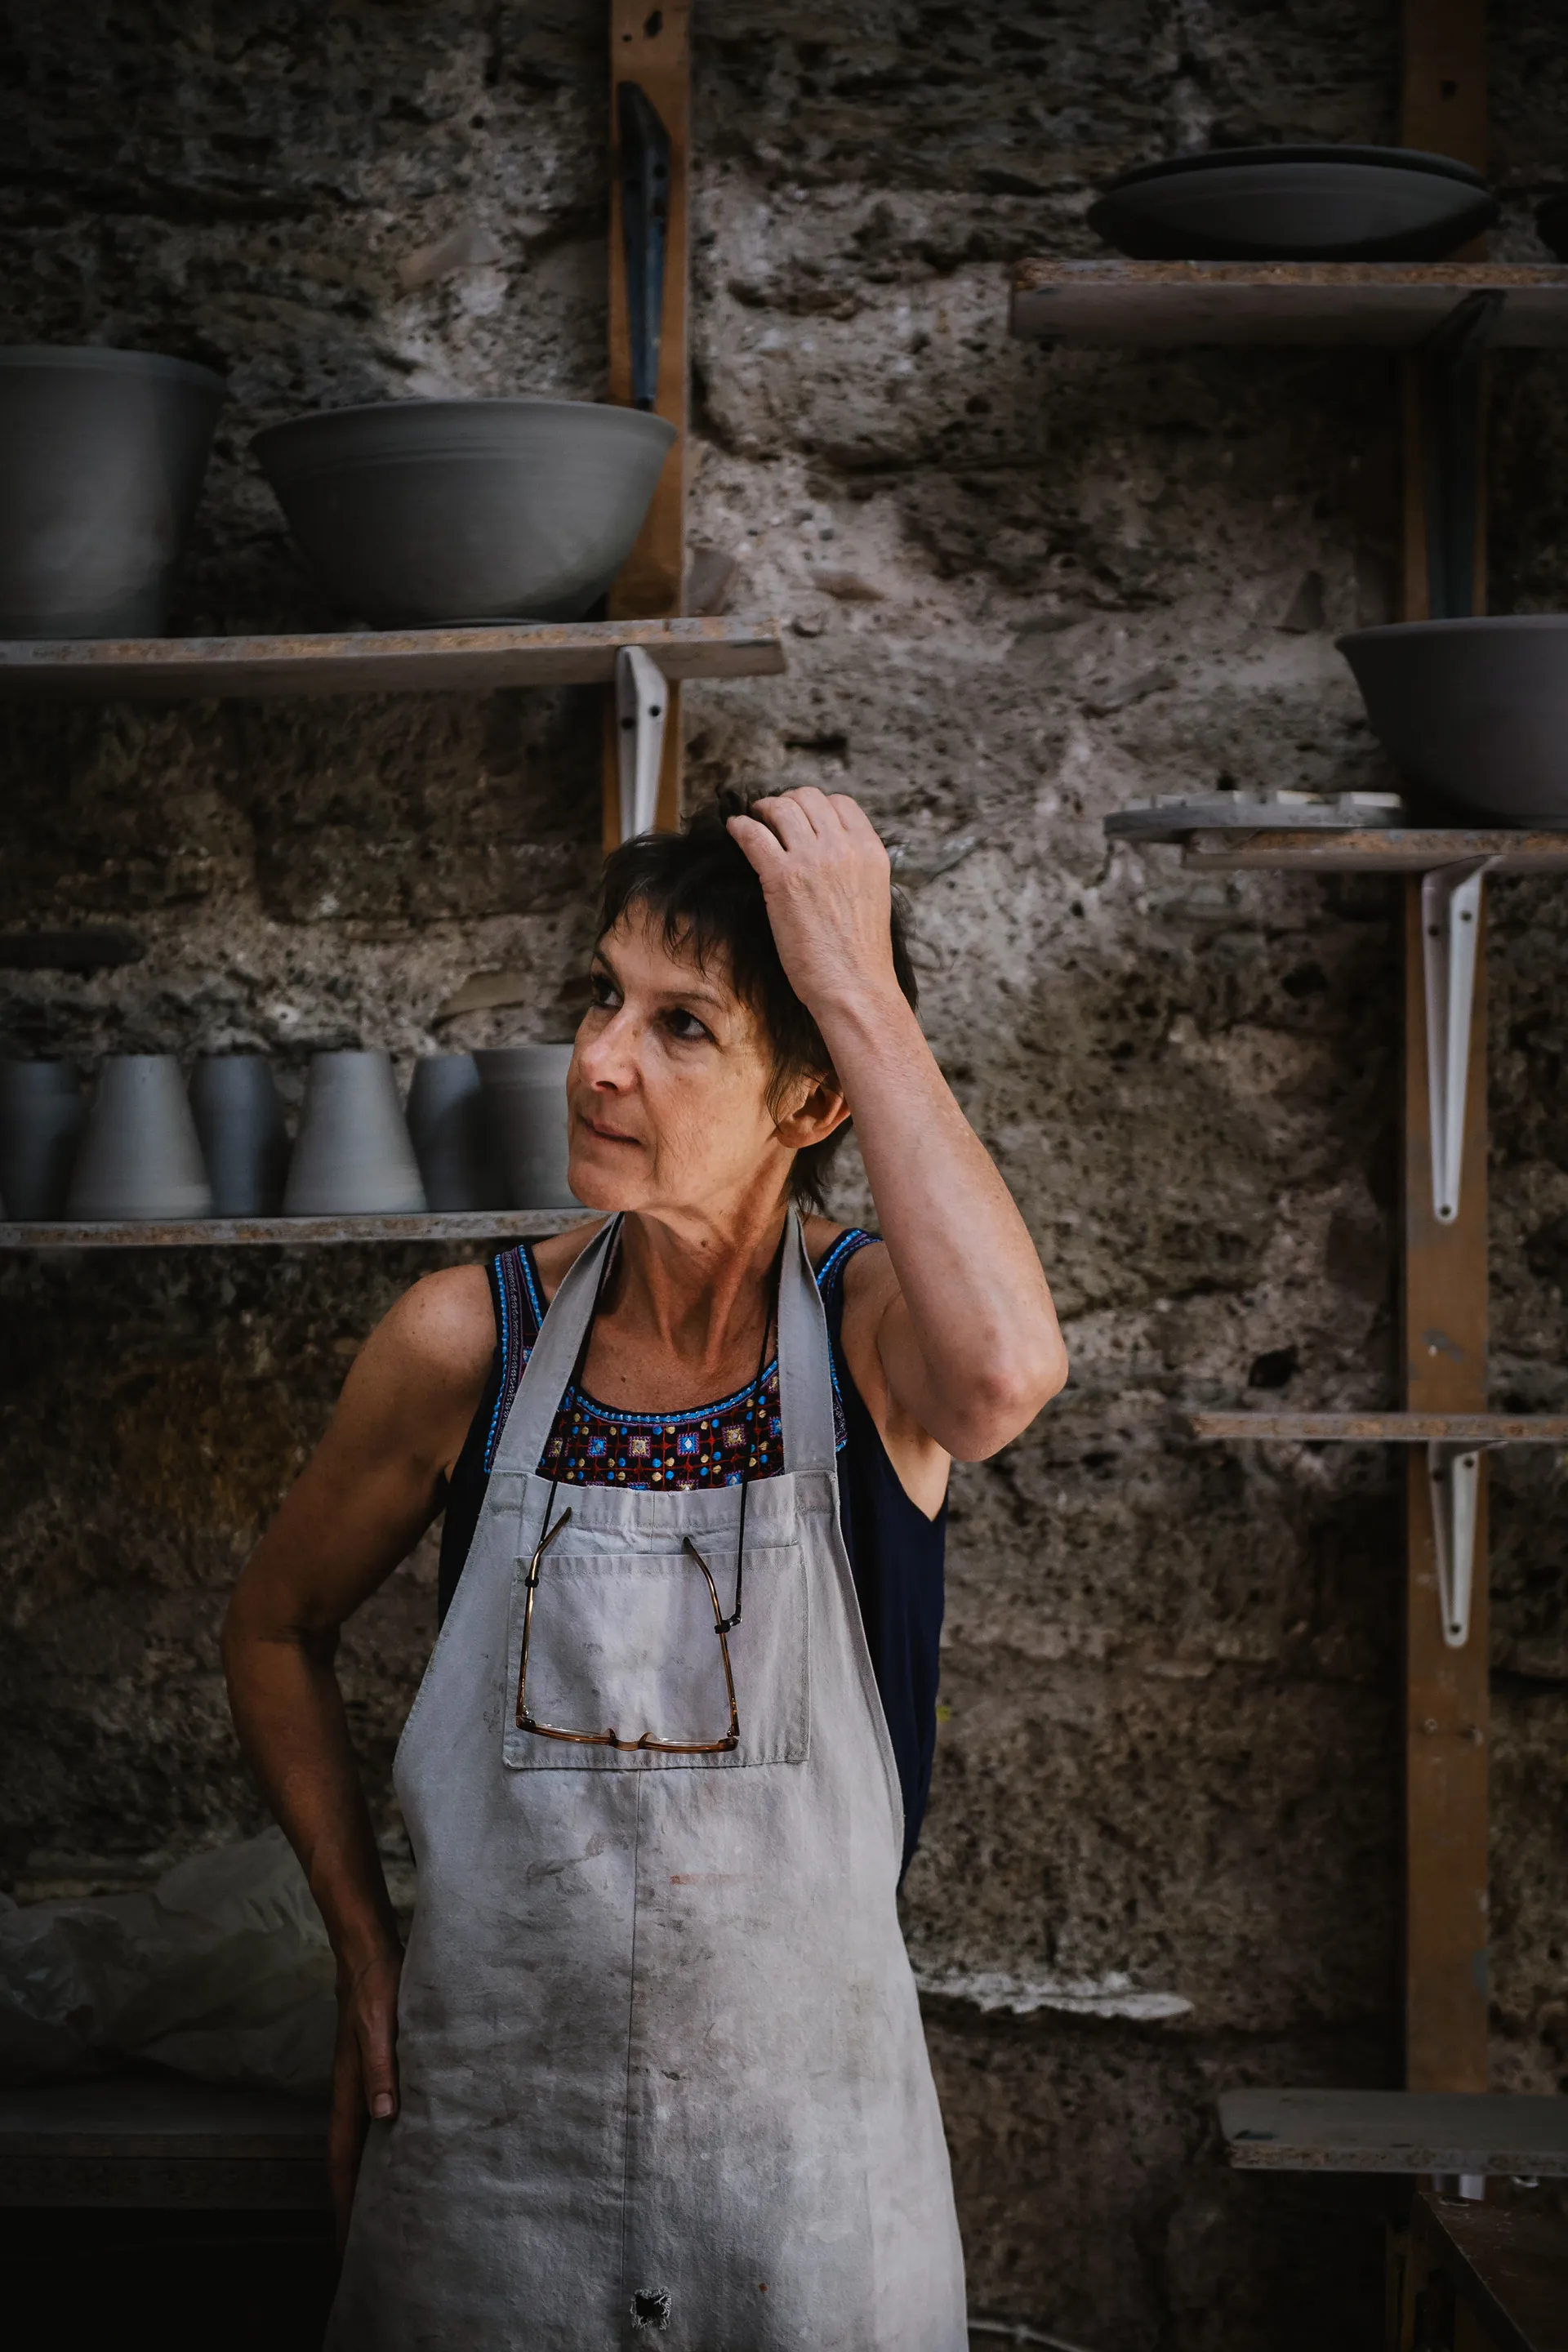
x=652, y=47
x=1443, y=97
x=1444, y=1316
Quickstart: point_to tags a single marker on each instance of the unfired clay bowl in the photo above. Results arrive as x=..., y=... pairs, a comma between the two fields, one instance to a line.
x=1474, y=712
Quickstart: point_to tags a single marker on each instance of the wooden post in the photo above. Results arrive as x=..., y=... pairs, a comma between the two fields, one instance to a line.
x=1445, y=1299
x=651, y=47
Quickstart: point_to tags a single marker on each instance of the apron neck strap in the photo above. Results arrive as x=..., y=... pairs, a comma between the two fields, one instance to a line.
x=805, y=1371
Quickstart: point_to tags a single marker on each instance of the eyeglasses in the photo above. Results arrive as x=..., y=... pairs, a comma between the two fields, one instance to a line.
x=646, y=1740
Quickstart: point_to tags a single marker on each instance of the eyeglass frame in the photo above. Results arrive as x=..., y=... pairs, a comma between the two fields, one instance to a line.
x=649, y=1742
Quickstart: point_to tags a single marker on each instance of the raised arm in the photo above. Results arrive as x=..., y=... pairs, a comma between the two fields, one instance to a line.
x=967, y=1334
x=371, y=1489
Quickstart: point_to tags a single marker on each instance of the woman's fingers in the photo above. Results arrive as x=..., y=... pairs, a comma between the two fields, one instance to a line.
x=761, y=844
x=785, y=814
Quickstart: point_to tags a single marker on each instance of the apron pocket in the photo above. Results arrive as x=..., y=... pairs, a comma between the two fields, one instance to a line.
x=625, y=1642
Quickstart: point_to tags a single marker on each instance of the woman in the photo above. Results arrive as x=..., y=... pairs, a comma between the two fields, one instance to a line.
x=658, y=2063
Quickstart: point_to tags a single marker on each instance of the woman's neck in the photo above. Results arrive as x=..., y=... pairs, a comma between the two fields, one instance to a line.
x=686, y=1306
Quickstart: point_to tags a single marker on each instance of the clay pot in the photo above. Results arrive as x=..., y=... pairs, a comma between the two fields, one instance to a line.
x=239, y=1118
x=41, y=1114
x=525, y=1086
x=1474, y=711
x=1295, y=204
x=101, y=459
x=352, y=1156
x=448, y=1119
x=417, y=513
x=140, y=1158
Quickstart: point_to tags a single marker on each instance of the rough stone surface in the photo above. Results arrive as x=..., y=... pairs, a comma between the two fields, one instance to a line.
x=1021, y=589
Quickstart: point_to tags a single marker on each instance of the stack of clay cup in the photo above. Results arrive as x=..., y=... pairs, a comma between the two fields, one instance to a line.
x=147, y=1148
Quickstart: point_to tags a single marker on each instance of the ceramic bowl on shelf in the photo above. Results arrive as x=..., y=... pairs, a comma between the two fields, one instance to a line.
x=1474, y=712
x=352, y=1156
x=101, y=459
x=525, y=1087
x=141, y=1159
x=41, y=1113
x=1295, y=204
x=415, y=513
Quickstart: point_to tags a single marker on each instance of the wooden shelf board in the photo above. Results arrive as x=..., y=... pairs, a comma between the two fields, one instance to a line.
x=1395, y=2131
x=145, y=2140
x=1396, y=851
x=1386, y=1428
x=1393, y=304
x=383, y=661
x=291, y=1232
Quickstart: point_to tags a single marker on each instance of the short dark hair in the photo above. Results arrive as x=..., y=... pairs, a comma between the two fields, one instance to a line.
x=701, y=888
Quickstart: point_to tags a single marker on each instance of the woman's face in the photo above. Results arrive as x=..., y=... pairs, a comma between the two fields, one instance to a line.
x=667, y=1092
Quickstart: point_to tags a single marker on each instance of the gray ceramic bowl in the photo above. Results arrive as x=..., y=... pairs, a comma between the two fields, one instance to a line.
x=418, y=512
x=101, y=459
x=1473, y=711
x=1295, y=204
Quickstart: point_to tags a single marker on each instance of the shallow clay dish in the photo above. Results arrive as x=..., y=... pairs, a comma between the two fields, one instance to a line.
x=417, y=513
x=1295, y=204
x=1474, y=712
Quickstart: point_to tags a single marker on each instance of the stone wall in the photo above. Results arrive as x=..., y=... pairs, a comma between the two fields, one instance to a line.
x=1021, y=588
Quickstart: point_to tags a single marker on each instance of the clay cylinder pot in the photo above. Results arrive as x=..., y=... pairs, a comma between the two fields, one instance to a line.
x=101, y=459
x=448, y=1119
x=141, y=1159
x=525, y=1086
x=352, y=1156
x=41, y=1114
x=239, y=1118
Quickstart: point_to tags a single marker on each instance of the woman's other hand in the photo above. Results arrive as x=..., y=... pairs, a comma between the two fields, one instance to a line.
x=827, y=882
x=365, y=2073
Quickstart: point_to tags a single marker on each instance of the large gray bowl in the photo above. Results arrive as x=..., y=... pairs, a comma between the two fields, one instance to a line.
x=101, y=459
x=1474, y=712
x=1295, y=204
x=417, y=513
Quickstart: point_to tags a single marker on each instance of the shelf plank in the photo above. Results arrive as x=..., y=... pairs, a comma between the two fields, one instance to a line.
x=136, y=2140
x=291, y=1232
x=1386, y=1428
x=1392, y=304
x=1396, y=851
x=1395, y=2131
x=386, y=661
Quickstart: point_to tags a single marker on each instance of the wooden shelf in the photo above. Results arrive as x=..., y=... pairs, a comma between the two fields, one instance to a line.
x=162, y=2141
x=1386, y=1428
x=293, y=1233
x=384, y=661
x=1393, y=304
x=1396, y=851
x=1474, y=2132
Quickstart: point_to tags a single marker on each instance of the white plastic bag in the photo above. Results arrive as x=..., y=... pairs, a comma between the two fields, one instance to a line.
x=222, y=1971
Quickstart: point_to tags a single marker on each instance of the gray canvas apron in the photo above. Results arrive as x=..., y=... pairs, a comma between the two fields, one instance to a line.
x=662, y=2071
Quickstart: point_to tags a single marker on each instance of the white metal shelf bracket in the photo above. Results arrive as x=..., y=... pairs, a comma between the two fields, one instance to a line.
x=1450, y=925
x=642, y=703
x=1455, y=1473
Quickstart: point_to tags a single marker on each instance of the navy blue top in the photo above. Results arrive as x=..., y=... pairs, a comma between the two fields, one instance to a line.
x=895, y=1551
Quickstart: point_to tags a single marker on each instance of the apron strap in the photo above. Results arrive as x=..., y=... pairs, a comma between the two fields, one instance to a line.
x=553, y=1360
x=806, y=1361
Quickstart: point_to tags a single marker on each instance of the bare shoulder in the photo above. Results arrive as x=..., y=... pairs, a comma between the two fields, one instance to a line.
x=556, y=1257
x=441, y=1334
